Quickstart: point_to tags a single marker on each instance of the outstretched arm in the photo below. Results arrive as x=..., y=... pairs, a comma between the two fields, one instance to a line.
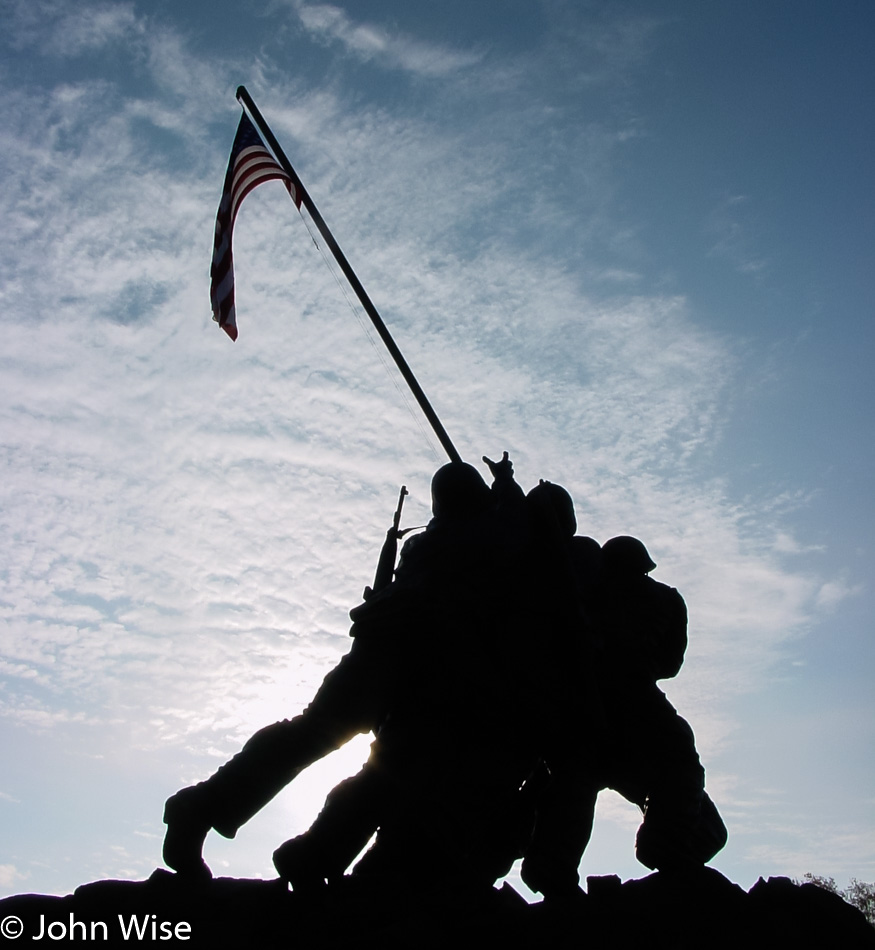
x=504, y=488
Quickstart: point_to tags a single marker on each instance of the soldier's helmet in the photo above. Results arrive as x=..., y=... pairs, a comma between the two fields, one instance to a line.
x=458, y=491
x=547, y=495
x=625, y=555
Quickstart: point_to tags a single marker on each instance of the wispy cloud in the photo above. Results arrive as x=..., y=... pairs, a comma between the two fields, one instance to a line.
x=10, y=875
x=729, y=231
x=144, y=487
x=833, y=592
x=373, y=43
x=186, y=522
x=819, y=852
x=59, y=29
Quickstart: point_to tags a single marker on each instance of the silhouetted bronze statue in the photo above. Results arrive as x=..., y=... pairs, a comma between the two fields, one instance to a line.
x=434, y=672
x=509, y=673
x=646, y=751
x=519, y=692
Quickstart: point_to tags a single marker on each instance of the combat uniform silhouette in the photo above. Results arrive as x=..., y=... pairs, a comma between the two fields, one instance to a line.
x=430, y=671
x=647, y=751
x=515, y=688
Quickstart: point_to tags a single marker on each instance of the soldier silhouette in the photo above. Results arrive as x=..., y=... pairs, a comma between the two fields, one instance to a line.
x=647, y=751
x=517, y=689
x=431, y=670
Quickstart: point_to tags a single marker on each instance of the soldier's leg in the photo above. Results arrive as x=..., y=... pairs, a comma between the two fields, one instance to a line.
x=563, y=827
x=239, y=789
x=348, y=702
x=347, y=821
x=675, y=782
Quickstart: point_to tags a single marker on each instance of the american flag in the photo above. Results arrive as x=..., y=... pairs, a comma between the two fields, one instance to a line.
x=250, y=165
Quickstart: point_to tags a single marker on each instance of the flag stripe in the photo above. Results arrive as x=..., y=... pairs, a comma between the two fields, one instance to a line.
x=250, y=165
x=251, y=170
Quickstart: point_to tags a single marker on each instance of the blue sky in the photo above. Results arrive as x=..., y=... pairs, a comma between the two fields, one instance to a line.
x=626, y=242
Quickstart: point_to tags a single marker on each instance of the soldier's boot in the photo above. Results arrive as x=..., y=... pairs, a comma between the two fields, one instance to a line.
x=666, y=848
x=299, y=864
x=556, y=880
x=666, y=839
x=239, y=789
x=187, y=829
x=343, y=827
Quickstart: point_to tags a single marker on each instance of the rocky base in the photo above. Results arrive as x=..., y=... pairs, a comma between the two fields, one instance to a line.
x=702, y=909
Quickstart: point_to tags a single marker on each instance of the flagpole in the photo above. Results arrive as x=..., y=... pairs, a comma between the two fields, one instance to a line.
x=264, y=129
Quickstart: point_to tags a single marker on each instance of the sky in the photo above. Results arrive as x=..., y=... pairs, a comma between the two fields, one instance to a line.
x=630, y=243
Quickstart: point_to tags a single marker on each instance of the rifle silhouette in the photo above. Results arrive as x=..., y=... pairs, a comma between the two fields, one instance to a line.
x=389, y=551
